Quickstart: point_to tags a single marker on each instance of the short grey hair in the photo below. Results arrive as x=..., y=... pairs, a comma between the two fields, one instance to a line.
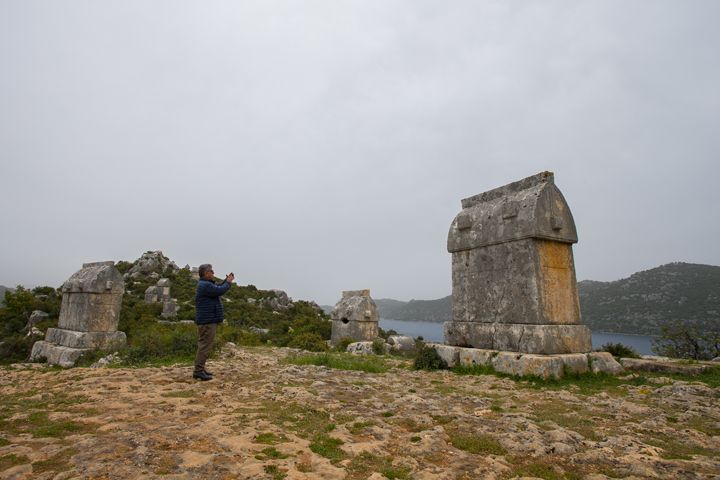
x=202, y=269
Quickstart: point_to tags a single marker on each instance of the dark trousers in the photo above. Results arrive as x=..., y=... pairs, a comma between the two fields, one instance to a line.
x=206, y=336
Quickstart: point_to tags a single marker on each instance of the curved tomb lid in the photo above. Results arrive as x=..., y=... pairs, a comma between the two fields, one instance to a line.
x=530, y=208
x=97, y=277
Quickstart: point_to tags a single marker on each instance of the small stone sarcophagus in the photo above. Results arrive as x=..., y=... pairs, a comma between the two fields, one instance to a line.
x=514, y=285
x=355, y=317
x=89, y=315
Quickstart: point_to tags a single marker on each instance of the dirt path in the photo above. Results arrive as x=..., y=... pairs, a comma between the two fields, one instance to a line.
x=263, y=418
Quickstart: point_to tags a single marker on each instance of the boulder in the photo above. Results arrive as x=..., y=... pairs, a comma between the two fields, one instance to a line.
x=401, y=343
x=151, y=263
x=36, y=316
x=364, y=348
x=450, y=354
x=170, y=309
x=575, y=362
x=470, y=357
x=604, y=362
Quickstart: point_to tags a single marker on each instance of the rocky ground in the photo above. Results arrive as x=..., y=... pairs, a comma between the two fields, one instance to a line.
x=265, y=418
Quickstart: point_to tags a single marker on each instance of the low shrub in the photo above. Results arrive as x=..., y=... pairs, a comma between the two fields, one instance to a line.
x=308, y=341
x=343, y=344
x=620, y=350
x=428, y=359
x=378, y=346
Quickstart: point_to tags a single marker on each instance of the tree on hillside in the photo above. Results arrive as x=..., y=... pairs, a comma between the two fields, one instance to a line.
x=688, y=339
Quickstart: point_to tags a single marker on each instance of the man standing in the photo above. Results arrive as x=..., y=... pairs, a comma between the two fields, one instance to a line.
x=208, y=314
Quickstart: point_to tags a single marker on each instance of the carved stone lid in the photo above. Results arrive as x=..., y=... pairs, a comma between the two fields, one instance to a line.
x=98, y=277
x=530, y=208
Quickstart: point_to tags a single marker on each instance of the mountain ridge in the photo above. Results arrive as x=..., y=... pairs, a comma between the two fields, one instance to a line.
x=638, y=304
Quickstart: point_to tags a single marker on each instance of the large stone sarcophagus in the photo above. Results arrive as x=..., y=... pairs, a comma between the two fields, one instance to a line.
x=354, y=317
x=89, y=316
x=513, y=274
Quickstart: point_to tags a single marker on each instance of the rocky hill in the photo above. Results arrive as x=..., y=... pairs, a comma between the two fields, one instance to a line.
x=641, y=303
x=638, y=304
x=439, y=310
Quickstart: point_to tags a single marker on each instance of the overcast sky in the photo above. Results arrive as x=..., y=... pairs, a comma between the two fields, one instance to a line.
x=320, y=146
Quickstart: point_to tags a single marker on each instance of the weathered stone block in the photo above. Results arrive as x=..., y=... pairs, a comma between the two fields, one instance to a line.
x=86, y=340
x=365, y=348
x=575, y=362
x=644, y=365
x=170, y=309
x=604, y=362
x=513, y=271
x=401, y=343
x=89, y=315
x=507, y=362
x=470, y=357
x=450, y=354
x=355, y=317
x=55, y=354
x=544, y=366
x=545, y=339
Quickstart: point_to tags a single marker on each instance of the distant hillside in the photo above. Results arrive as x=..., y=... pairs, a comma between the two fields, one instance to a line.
x=638, y=304
x=419, y=310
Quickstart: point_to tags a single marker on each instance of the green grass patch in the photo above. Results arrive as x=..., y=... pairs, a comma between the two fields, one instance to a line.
x=702, y=424
x=59, y=462
x=362, y=465
x=179, y=394
x=415, y=439
x=42, y=427
x=12, y=460
x=539, y=470
x=387, y=414
x=327, y=446
x=302, y=420
x=477, y=444
x=358, y=427
x=274, y=472
x=341, y=361
x=270, y=453
x=677, y=447
x=572, y=417
x=442, y=419
x=4, y=442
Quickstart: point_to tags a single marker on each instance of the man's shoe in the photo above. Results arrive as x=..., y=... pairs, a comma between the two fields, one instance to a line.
x=208, y=373
x=202, y=376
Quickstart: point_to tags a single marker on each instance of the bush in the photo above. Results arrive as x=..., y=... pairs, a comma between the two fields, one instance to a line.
x=620, y=350
x=428, y=359
x=688, y=340
x=343, y=344
x=378, y=346
x=163, y=342
x=309, y=341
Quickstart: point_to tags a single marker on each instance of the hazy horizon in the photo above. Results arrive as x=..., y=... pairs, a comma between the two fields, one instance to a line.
x=317, y=147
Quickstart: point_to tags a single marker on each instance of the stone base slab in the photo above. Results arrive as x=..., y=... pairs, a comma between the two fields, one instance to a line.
x=528, y=364
x=56, y=354
x=85, y=340
x=647, y=365
x=517, y=337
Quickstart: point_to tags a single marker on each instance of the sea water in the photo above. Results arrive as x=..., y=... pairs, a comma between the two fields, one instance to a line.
x=433, y=332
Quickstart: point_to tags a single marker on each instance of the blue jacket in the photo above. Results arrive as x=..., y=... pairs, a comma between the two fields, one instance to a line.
x=208, y=307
